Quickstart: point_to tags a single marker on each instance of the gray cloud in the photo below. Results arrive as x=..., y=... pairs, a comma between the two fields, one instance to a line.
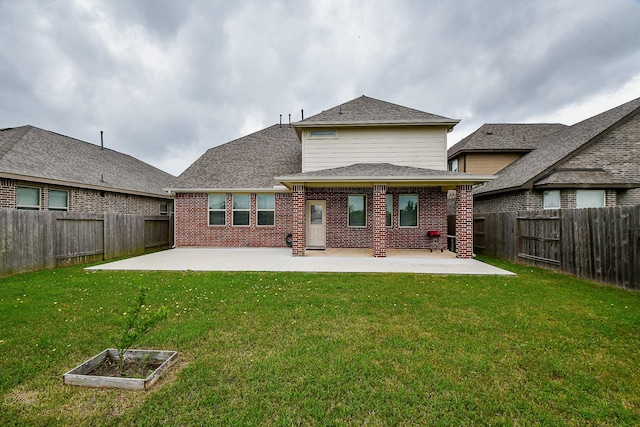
x=166, y=80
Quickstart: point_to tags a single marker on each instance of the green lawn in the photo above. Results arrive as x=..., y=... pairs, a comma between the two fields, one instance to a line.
x=329, y=349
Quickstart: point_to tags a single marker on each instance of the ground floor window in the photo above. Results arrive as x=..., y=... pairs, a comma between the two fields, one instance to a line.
x=217, y=209
x=58, y=200
x=28, y=198
x=408, y=210
x=551, y=199
x=241, y=209
x=266, y=209
x=389, y=210
x=357, y=210
x=590, y=198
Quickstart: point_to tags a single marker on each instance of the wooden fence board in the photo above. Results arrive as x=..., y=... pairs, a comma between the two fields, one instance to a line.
x=601, y=244
x=35, y=240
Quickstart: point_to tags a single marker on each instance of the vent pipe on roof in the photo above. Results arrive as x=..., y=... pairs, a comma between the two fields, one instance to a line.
x=280, y=121
x=101, y=141
x=289, y=119
x=340, y=112
x=302, y=114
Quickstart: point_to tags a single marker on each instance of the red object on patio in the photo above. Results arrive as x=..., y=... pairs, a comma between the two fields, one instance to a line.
x=434, y=238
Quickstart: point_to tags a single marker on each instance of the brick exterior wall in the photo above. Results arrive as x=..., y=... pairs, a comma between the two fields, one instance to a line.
x=193, y=229
x=629, y=197
x=464, y=221
x=299, y=210
x=379, y=221
x=509, y=202
x=85, y=200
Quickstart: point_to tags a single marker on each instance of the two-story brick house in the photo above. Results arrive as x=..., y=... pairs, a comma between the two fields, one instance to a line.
x=43, y=170
x=593, y=163
x=363, y=174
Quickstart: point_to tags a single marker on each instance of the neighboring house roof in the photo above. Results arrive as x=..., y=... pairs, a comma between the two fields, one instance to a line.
x=576, y=178
x=556, y=148
x=504, y=137
x=365, y=111
x=371, y=173
x=32, y=154
x=250, y=162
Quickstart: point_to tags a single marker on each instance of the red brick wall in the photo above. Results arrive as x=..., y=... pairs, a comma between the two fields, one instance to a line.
x=379, y=221
x=464, y=221
x=193, y=229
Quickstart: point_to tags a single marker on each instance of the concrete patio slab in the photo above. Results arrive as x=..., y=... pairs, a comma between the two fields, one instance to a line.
x=280, y=259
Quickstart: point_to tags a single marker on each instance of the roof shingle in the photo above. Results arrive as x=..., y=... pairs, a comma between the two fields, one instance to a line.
x=38, y=154
x=557, y=147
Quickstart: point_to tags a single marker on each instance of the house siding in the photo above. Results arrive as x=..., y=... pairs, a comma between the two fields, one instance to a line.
x=423, y=147
x=533, y=200
x=488, y=163
x=85, y=200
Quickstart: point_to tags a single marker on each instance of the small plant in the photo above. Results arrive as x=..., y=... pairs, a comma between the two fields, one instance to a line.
x=135, y=324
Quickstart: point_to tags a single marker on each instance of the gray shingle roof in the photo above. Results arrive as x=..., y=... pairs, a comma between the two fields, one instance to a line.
x=556, y=148
x=248, y=162
x=386, y=172
x=365, y=110
x=35, y=154
x=584, y=178
x=505, y=137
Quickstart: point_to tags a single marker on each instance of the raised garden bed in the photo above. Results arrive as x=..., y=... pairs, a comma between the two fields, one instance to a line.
x=143, y=368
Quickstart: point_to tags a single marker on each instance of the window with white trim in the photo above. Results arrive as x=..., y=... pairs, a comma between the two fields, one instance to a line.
x=241, y=209
x=217, y=209
x=266, y=209
x=357, y=210
x=58, y=200
x=408, y=210
x=590, y=198
x=453, y=165
x=389, y=210
x=551, y=199
x=28, y=198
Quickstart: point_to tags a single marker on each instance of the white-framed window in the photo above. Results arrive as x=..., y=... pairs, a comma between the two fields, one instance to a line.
x=241, y=209
x=28, y=198
x=164, y=208
x=217, y=209
x=357, y=210
x=58, y=200
x=590, y=198
x=389, y=210
x=551, y=199
x=266, y=209
x=323, y=134
x=453, y=165
x=408, y=210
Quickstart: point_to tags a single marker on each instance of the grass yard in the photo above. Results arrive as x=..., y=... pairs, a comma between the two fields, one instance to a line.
x=280, y=349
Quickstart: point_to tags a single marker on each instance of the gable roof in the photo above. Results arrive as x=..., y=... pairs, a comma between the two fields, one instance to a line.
x=370, y=173
x=555, y=148
x=365, y=111
x=505, y=137
x=32, y=154
x=250, y=162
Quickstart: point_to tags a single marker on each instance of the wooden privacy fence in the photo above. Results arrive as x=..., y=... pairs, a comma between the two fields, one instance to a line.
x=35, y=240
x=600, y=244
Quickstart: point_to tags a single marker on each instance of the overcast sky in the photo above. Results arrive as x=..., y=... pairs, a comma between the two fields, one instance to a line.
x=166, y=79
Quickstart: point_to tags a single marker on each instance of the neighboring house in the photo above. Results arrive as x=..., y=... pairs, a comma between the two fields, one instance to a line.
x=364, y=174
x=43, y=170
x=593, y=163
x=494, y=146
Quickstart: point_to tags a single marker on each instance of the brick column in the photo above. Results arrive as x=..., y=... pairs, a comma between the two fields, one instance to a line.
x=299, y=220
x=379, y=220
x=464, y=221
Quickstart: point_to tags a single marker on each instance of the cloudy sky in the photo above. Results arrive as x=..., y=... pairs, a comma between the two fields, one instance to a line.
x=166, y=79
